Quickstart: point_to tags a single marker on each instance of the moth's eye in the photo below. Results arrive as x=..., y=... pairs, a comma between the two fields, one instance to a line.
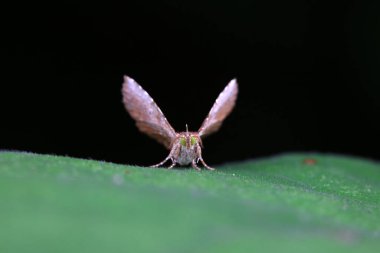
x=182, y=140
x=193, y=140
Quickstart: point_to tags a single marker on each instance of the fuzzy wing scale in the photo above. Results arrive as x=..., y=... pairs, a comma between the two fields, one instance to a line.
x=220, y=110
x=148, y=116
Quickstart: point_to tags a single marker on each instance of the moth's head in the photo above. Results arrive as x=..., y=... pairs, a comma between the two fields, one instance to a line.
x=189, y=139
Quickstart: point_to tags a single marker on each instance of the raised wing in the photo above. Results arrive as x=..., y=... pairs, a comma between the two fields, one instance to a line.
x=220, y=110
x=148, y=116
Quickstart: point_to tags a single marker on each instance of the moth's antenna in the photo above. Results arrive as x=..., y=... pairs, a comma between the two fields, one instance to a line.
x=187, y=130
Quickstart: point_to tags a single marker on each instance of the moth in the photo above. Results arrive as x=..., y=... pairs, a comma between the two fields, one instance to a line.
x=185, y=147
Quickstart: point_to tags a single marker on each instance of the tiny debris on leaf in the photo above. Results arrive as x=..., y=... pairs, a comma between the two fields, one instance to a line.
x=309, y=161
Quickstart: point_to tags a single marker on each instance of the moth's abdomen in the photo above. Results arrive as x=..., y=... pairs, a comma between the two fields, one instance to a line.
x=186, y=155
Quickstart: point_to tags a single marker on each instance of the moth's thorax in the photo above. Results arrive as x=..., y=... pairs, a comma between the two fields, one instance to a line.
x=188, y=145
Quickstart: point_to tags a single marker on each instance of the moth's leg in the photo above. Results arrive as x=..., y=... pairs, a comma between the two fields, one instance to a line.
x=161, y=163
x=173, y=153
x=204, y=164
x=194, y=164
x=173, y=164
x=199, y=153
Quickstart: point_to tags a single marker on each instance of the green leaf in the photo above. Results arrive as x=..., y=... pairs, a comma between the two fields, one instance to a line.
x=278, y=204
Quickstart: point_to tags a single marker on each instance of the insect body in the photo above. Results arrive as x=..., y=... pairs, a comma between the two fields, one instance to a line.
x=185, y=147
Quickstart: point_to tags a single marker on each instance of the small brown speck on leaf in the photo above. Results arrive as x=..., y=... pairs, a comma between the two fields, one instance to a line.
x=309, y=161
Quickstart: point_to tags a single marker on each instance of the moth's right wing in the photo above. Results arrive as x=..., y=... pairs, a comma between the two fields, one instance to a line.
x=148, y=116
x=220, y=110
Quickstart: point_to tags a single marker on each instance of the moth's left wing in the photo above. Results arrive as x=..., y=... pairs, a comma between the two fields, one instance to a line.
x=220, y=110
x=148, y=116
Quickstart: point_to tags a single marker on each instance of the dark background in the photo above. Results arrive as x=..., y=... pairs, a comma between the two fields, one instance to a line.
x=307, y=70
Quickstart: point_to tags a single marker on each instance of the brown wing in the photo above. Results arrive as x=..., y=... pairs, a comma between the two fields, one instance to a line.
x=148, y=116
x=220, y=110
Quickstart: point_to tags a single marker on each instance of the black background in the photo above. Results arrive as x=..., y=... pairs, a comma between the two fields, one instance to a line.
x=308, y=73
